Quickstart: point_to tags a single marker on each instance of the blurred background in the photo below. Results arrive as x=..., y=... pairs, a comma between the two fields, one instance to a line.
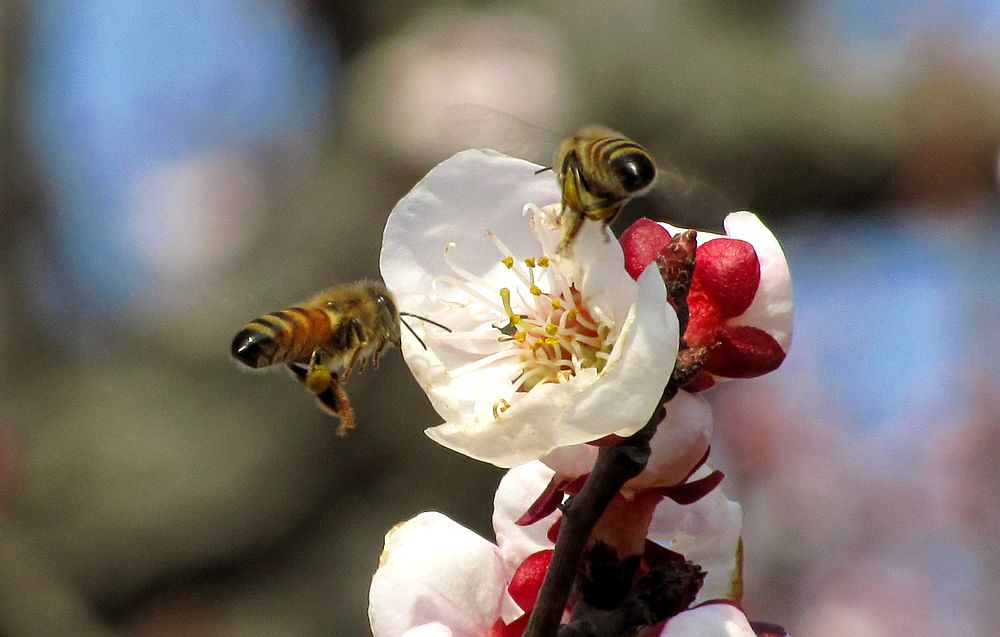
x=170, y=171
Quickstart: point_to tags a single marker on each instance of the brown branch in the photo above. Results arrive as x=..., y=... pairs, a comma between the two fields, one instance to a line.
x=665, y=591
x=619, y=463
x=616, y=465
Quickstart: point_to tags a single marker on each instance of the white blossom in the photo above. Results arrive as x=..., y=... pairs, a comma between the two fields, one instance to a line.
x=544, y=351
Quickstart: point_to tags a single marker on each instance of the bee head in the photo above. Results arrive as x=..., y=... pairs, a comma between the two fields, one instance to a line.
x=635, y=171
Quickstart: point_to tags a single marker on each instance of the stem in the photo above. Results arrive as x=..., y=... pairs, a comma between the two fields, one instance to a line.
x=616, y=465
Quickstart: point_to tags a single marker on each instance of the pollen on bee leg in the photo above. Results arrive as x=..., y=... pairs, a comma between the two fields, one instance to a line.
x=318, y=377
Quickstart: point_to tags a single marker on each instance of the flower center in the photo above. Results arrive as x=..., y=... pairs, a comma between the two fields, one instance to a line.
x=539, y=317
x=554, y=331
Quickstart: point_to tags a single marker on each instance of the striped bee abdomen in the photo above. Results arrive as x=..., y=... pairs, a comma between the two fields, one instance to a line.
x=282, y=337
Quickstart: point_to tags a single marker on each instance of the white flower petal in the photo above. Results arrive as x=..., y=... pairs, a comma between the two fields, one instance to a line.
x=679, y=443
x=586, y=407
x=434, y=570
x=608, y=287
x=457, y=202
x=469, y=374
x=710, y=620
x=520, y=487
x=573, y=461
x=514, y=438
x=771, y=309
x=429, y=630
x=637, y=371
x=707, y=533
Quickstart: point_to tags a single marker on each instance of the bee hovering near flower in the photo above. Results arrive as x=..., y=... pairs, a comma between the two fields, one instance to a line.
x=599, y=171
x=322, y=339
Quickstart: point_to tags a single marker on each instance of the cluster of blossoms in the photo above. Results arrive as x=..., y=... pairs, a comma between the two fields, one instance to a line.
x=549, y=359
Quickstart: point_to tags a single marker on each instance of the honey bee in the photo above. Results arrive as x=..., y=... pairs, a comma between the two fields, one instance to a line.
x=599, y=170
x=323, y=339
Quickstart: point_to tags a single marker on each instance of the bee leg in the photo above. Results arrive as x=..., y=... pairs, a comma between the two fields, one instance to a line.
x=318, y=376
x=571, y=222
x=605, y=212
x=327, y=387
x=572, y=215
x=335, y=399
x=354, y=341
x=299, y=371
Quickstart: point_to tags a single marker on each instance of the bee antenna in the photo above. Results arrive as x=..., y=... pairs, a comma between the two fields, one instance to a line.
x=541, y=170
x=425, y=320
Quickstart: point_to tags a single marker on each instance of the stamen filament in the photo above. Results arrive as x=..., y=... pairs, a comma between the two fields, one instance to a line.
x=468, y=289
x=484, y=362
x=551, y=336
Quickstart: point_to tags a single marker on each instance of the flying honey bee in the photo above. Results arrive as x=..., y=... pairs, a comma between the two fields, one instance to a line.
x=599, y=170
x=323, y=339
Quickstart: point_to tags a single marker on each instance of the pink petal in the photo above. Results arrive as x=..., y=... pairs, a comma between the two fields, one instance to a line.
x=771, y=309
x=528, y=578
x=729, y=272
x=641, y=242
x=433, y=629
x=434, y=570
x=701, y=382
x=704, y=317
x=744, y=352
x=519, y=487
x=679, y=445
x=546, y=503
x=766, y=629
x=709, y=620
x=691, y=492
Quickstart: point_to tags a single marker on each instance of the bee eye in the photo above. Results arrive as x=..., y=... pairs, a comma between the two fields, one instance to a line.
x=386, y=302
x=635, y=171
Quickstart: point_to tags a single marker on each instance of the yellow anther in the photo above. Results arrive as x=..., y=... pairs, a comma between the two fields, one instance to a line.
x=505, y=297
x=552, y=341
x=551, y=329
x=521, y=336
x=543, y=261
x=530, y=262
x=499, y=407
x=508, y=261
x=571, y=315
x=556, y=304
x=535, y=290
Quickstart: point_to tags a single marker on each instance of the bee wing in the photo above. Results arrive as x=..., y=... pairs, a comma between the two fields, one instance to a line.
x=679, y=198
x=676, y=196
x=482, y=126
